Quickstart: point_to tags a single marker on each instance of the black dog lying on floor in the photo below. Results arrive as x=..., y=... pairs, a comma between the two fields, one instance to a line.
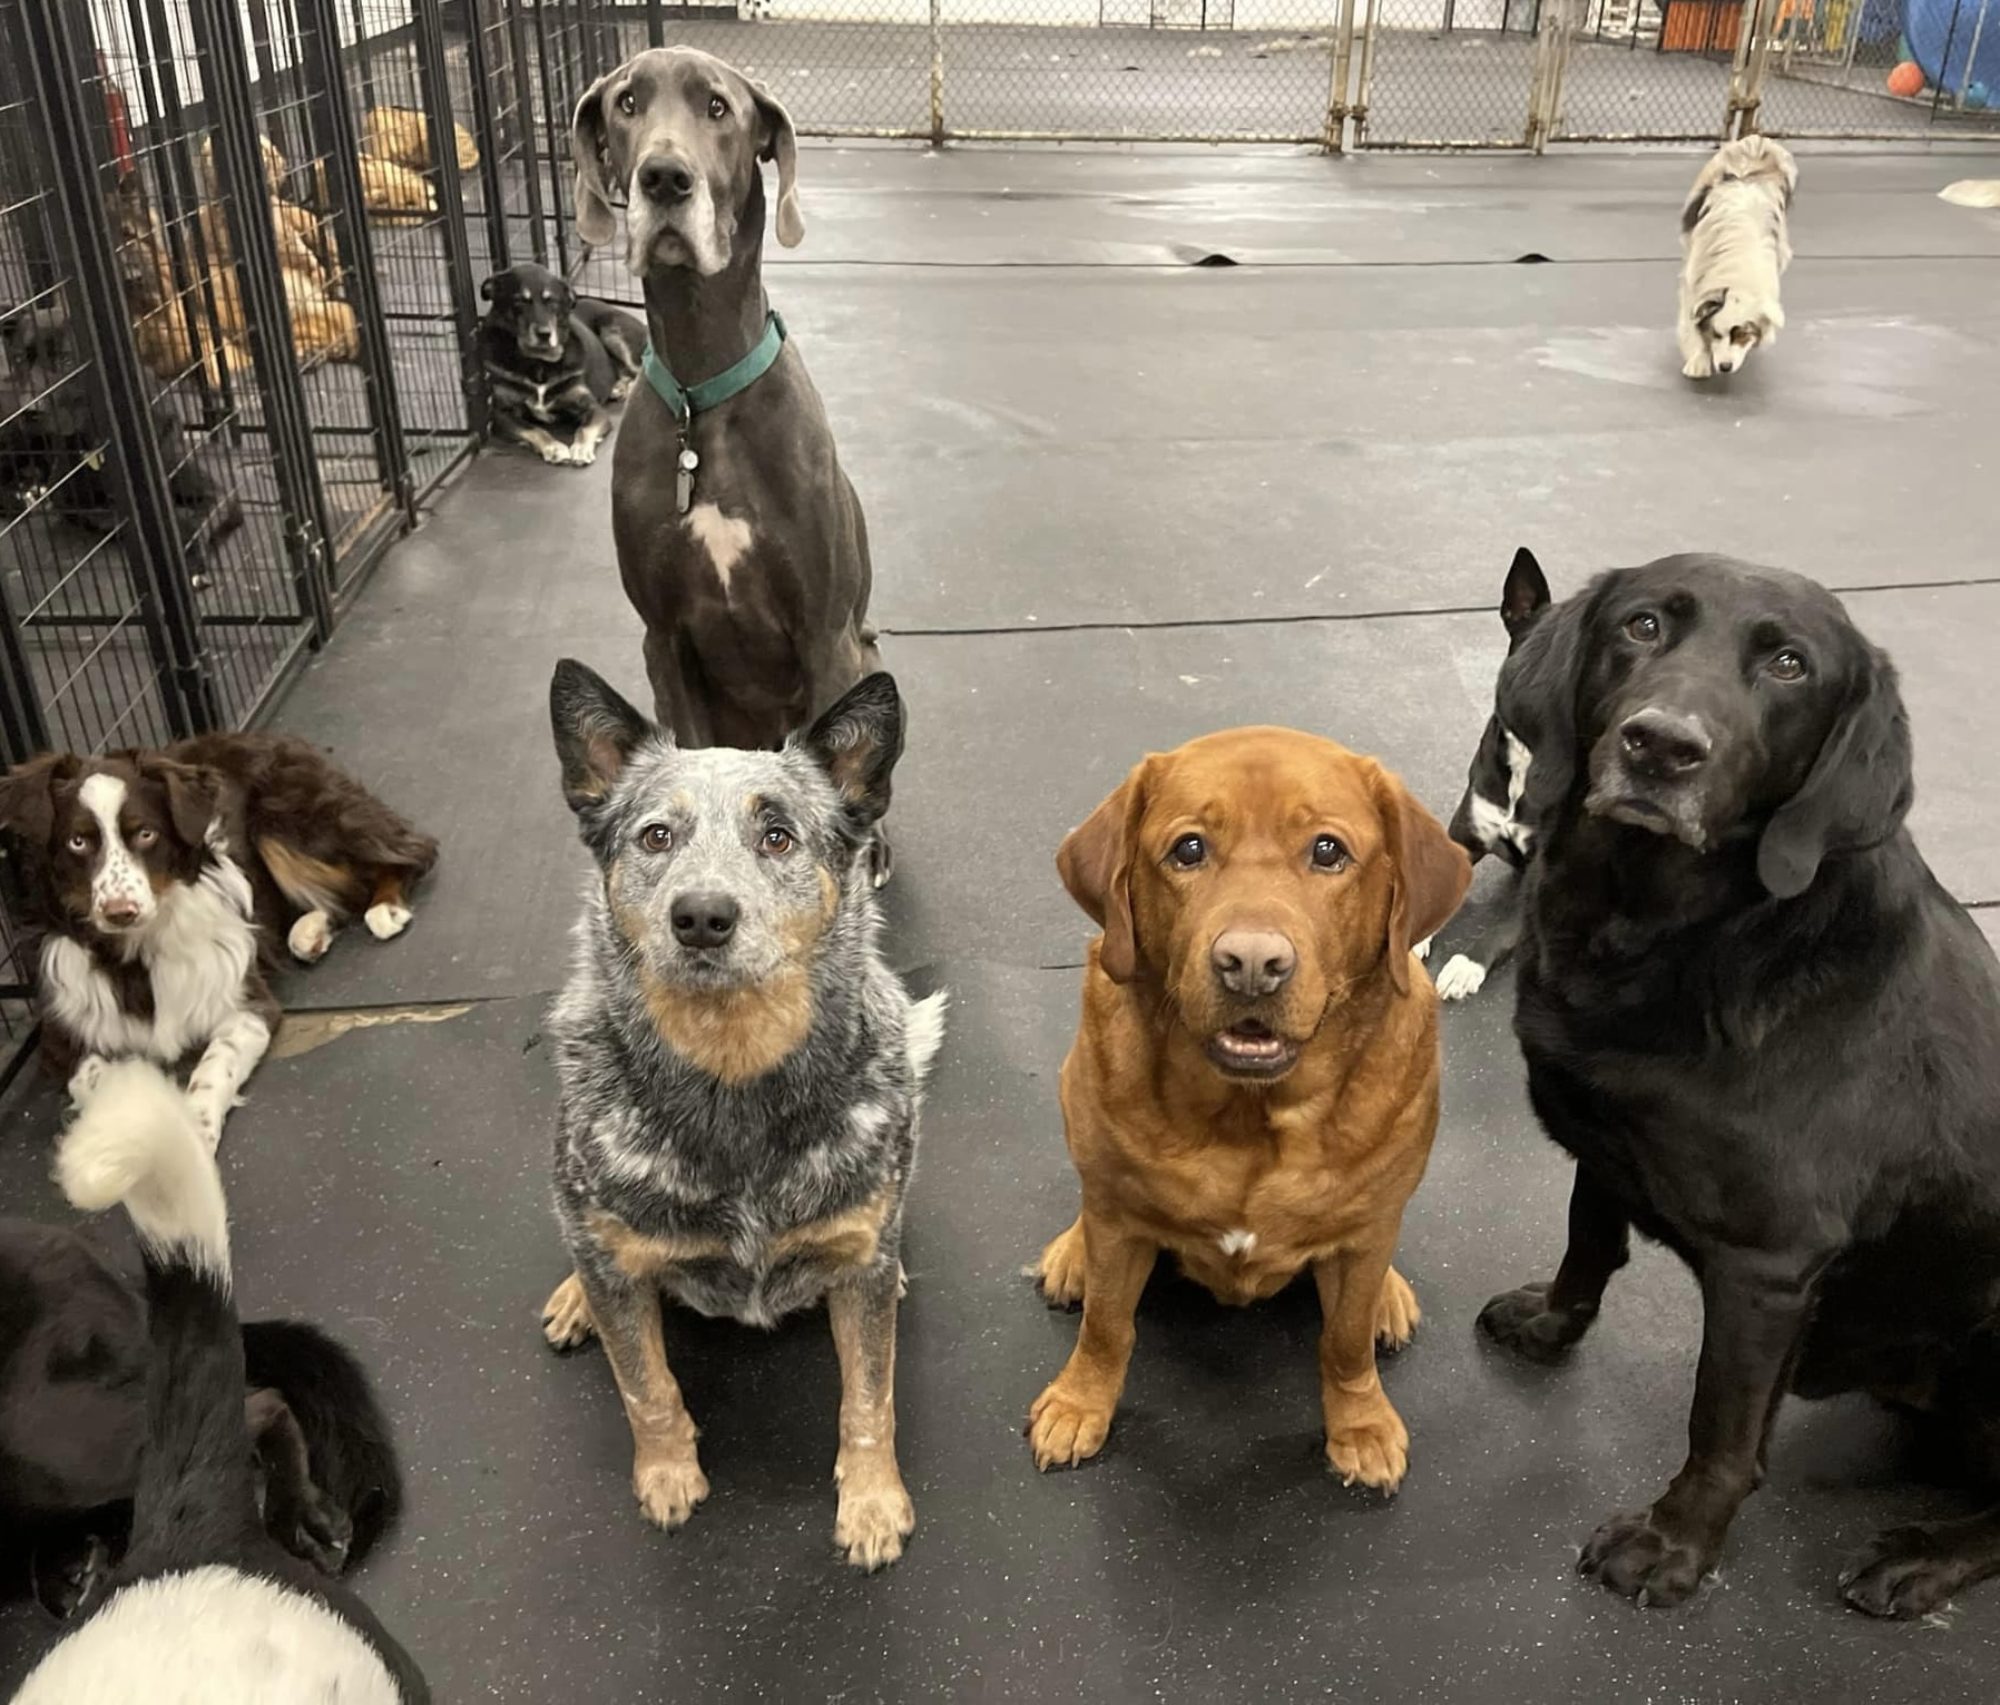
x=1768, y=1036
x=51, y=444
x=74, y=1359
x=554, y=359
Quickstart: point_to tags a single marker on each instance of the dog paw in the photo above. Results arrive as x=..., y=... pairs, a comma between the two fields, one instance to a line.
x=566, y=1321
x=310, y=937
x=1059, y=1272
x=1370, y=1448
x=1697, y=367
x=1905, y=1573
x=1524, y=1322
x=582, y=454
x=387, y=921
x=622, y=387
x=669, y=1488
x=1065, y=1431
x=320, y=1534
x=1636, y=1558
x=1396, y=1312
x=874, y=1518
x=881, y=859
x=555, y=454
x=1423, y=949
x=1461, y=977
x=84, y=1081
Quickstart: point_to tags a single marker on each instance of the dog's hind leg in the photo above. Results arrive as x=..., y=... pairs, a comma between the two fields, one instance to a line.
x=297, y=1514
x=1059, y=1272
x=666, y=1473
x=388, y=913
x=566, y=1321
x=1542, y=1321
x=875, y=1514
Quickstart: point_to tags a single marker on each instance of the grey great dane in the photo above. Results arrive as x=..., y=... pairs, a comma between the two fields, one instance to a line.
x=740, y=540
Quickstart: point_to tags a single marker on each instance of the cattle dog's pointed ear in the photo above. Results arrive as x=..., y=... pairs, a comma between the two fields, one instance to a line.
x=28, y=796
x=1857, y=793
x=1429, y=873
x=1709, y=306
x=1525, y=594
x=596, y=732
x=193, y=795
x=857, y=743
x=1535, y=701
x=590, y=150
x=1095, y=863
x=779, y=141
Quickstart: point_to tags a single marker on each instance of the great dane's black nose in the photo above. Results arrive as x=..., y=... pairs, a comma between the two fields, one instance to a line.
x=704, y=920
x=664, y=179
x=1664, y=744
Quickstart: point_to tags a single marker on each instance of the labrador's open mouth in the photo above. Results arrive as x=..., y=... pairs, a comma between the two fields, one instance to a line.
x=1249, y=1048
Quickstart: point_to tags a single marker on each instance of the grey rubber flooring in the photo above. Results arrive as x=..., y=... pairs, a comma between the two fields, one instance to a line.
x=1116, y=501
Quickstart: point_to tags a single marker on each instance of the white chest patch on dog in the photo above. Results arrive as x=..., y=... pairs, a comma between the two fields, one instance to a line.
x=1493, y=823
x=1237, y=1242
x=726, y=538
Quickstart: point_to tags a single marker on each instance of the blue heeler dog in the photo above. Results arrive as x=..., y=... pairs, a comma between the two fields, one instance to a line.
x=740, y=1072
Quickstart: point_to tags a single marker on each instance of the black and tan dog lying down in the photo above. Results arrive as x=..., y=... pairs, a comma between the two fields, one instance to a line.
x=207, y=1606
x=1769, y=1037
x=740, y=1072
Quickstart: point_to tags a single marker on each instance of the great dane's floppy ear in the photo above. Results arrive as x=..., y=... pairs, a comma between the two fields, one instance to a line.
x=1857, y=792
x=193, y=793
x=588, y=147
x=857, y=743
x=596, y=732
x=781, y=143
x=28, y=796
x=1525, y=595
x=1430, y=873
x=1095, y=863
x=1709, y=306
x=1535, y=700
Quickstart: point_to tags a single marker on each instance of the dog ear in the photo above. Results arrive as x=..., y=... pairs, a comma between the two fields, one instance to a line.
x=193, y=793
x=1525, y=594
x=596, y=732
x=1709, y=306
x=28, y=796
x=1856, y=794
x=486, y=288
x=781, y=143
x=1535, y=699
x=857, y=743
x=1095, y=863
x=589, y=143
x=1429, y=873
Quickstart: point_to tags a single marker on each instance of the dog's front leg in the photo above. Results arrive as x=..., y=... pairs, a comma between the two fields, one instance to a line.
x=1072, y=1418
x=1542, y=1321
x=1696, y=362
x=545, y=444
x=225, y=1066
x=1366, y=1441
x=595, y=429
x=666, y=1474
x=875, y=1514
x=1754, y=1311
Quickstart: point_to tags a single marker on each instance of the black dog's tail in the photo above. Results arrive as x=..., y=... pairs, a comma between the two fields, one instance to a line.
x=347, y=1436
x=137, y=1142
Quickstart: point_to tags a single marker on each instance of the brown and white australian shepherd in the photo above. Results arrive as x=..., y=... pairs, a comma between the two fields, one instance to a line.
x=158, y=881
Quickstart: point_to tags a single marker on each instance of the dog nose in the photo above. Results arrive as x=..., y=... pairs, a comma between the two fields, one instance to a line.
x=704, y=920
x=664, y=179
x=1663, y=744
x=120, y=911
x=1253, y=962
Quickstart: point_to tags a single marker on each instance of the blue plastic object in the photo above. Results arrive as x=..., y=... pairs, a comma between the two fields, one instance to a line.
x=1940, y=34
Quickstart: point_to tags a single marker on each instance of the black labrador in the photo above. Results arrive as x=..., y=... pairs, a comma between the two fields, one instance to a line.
x=553, y=359
x=1768, y=1036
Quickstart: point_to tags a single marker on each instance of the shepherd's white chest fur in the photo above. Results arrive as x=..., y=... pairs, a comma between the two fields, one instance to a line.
x=197, y=950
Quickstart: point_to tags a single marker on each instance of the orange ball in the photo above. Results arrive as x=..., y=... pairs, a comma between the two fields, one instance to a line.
x=1907, y=79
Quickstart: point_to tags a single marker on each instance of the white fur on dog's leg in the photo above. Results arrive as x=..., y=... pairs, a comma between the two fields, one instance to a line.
x=1698, y=368
x=555, y=453
x=311, y=936
x=224, y=1067
x=387, y=921
x=83, y=1082
x=1460, y=978
x=622, y=388
x=1423, y=948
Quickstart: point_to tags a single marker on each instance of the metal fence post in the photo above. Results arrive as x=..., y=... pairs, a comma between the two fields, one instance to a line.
x=523, y=85
x=1553, y=33
x=491, y=189
x=239, y=174
x=937, y=73
x=1359, y=109
x=1746, y=74
x=58, y=50
x=1333, y=133
x=434, y=76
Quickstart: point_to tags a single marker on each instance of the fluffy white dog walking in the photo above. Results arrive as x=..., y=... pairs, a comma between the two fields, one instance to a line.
x=1734, y=239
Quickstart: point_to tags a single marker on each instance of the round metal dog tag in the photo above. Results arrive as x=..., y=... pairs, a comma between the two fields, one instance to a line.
x=690, y=461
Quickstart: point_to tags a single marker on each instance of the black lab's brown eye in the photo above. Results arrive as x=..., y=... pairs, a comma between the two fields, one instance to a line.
x=1644, y=627
x=1789, y=665
x=777, y=842
x=1188, y=851
x=656, y=837
x=717, y=107
x=1328, y=853
x=626, y=104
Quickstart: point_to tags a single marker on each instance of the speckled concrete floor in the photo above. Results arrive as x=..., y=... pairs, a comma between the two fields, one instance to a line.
x=1117, y=501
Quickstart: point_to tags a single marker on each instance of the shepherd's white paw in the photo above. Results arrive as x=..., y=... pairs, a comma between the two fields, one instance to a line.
x=311, y=936
x=387, y=920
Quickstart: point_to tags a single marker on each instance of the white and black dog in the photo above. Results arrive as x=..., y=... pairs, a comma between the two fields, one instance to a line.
x=553, y=359
x=156, y=883
x=206, y=1606
x=1735, y=247
x=740, y=1072
x=1494, y=815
